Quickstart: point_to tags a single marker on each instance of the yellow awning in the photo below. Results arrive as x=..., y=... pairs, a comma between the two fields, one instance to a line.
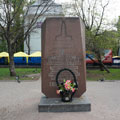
x=20, y=54
x=35, y=54
x=4, y=54
x=116, y=57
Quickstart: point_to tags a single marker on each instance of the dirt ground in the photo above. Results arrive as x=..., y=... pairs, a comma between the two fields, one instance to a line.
x=19, y=101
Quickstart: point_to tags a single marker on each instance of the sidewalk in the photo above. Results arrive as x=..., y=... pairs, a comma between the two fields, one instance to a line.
x=19, y=101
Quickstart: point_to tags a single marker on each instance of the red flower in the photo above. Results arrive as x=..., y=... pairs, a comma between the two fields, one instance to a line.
x=73, y=89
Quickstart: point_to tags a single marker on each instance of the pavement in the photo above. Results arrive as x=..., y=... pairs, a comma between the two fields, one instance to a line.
x=19, y=101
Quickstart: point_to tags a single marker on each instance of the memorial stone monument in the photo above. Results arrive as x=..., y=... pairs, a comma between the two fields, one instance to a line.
x=63, y=46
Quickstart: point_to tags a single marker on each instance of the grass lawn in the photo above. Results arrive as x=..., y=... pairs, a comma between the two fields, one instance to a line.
x=97, y=74
x=33, y=74
x=23, y=73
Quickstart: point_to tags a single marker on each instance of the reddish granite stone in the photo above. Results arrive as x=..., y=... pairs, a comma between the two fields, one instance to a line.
x=63, y=46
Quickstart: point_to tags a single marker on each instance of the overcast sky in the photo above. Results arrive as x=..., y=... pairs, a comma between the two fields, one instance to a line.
x=112, y=11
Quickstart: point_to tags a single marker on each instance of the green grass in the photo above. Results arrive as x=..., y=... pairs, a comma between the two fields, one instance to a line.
x=97, y=74
x=21, y=72
x=30, y=73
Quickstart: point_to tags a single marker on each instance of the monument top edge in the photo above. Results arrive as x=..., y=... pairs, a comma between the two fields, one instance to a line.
x=62, y=17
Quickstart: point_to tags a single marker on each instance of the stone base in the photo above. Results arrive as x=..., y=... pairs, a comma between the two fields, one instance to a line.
x=56, y=105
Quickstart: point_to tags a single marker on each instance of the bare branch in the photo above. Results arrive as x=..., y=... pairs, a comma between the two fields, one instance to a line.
x=33, y=21
x=15, y=10
x=103, y=7
x=82, y=12
x=93, y=15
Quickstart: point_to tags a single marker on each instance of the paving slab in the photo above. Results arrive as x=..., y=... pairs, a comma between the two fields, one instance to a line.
x=19, y=101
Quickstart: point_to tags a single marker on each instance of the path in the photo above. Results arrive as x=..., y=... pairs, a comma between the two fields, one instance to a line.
x=19, y=101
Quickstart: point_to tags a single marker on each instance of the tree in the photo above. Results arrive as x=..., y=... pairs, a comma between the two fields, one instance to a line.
x=92, y=13
x=3, y=45
x=12, y=25
x=118, y=32
x=18, y=24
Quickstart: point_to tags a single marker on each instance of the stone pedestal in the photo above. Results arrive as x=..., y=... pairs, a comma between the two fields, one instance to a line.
x=56, y=105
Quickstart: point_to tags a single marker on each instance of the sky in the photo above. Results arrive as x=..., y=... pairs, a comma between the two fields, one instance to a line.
x=112, y=11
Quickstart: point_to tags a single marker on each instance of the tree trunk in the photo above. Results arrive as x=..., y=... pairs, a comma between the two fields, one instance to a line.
x=11, y=63
x=102, y=66
x=28, y=44
x=91, y=58
x=100, y=63
x=28, y=50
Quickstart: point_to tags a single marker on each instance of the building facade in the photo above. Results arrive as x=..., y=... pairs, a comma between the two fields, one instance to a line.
x=33, y=42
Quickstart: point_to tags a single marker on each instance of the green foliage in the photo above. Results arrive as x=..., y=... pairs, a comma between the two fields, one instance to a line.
x=118, y=25
x=110, y=40
x=118, y=34
x=18, y=23
x=105, y=40
x=3, y=46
